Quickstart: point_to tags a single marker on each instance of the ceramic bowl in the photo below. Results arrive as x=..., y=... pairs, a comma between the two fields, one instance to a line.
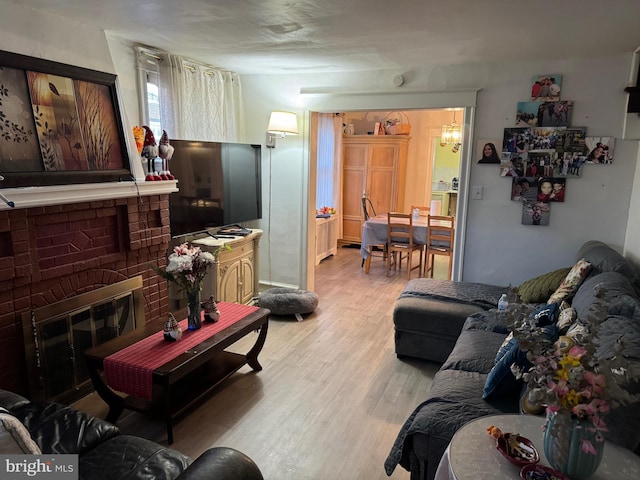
x=541, y=472
x=518, y=450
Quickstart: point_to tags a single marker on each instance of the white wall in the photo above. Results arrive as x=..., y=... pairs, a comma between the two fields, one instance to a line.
x=498, y=249
x=29, y=32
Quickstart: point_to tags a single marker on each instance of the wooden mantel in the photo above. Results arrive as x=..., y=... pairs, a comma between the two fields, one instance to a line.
x=28, y=197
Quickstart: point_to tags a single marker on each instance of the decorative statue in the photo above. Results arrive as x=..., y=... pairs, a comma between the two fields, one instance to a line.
x=165, y=152
x=172, y=331
x=211, y=312
x=150, y=152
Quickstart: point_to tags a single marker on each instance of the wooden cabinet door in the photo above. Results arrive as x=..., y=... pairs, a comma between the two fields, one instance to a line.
x=382, y=177
x=246, y=279
x=354, y=184
x=375, y=166
x=230, y=274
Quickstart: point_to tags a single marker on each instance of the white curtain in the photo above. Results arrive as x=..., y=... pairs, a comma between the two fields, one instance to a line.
x=328, y=191
x=199, y=102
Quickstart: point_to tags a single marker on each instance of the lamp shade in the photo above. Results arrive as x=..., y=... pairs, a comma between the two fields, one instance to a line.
x=284, y=123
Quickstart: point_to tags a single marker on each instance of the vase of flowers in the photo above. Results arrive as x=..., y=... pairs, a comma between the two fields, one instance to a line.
x=187, y=267
x=572, y=445
x=194, y=309
x=576, y=382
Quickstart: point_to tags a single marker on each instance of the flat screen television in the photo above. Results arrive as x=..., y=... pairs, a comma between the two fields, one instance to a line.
x=219, y=184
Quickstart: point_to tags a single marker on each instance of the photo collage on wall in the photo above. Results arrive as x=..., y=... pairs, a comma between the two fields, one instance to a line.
x=542, y=150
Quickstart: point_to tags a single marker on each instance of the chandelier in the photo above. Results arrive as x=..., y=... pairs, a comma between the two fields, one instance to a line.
x=451, y=133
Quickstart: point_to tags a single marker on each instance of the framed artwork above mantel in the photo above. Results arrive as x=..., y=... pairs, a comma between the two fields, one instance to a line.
x=59, y=124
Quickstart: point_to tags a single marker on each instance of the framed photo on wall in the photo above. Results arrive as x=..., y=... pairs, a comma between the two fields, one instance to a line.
x=601, y=149
x=488, y=151
x=535, y=213
x=554, y=114
x=546, y=88
x=61, y=124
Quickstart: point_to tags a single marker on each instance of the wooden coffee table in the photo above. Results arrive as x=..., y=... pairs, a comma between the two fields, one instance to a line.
x=186, y=379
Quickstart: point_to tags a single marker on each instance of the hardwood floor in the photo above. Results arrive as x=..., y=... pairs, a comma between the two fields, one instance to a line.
x=332, y=395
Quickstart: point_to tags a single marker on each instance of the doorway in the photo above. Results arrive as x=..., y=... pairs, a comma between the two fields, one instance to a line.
x=423, y=170
x=336, y=101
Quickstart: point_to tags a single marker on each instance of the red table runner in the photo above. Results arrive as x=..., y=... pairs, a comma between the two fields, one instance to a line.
x=130, y=370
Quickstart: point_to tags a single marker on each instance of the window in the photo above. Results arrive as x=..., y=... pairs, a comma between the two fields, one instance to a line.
x=153, y=104
x=149, y=84
x=326, y=173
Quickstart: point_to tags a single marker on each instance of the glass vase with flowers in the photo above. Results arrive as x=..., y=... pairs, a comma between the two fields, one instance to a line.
x=187, y=266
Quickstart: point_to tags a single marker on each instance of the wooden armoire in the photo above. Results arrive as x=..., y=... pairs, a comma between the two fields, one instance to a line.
x=375, y=166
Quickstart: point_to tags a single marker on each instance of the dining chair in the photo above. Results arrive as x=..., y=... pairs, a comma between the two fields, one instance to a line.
x=369, y=211
x=440, y=240
x=400, y=242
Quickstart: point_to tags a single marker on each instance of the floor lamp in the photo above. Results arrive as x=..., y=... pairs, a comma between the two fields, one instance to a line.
x=280, y=125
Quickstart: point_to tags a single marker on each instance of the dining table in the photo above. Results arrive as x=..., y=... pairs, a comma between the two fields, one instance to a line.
x=374, y=232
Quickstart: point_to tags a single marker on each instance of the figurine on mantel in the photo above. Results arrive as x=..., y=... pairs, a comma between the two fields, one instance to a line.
x=165, y=152
x=172, y=331
x=211, y=312
x=150, y=152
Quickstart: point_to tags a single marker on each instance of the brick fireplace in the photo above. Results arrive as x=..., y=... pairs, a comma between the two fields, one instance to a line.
x=52, y=253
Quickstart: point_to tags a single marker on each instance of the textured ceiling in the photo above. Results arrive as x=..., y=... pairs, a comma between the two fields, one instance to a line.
x=303, y=36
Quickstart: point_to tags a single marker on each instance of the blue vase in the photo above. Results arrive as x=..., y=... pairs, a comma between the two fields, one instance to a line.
x=194, y=310
x=563, y=440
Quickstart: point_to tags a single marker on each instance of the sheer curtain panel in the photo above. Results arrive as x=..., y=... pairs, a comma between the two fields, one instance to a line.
x=199, y=102
x=328, y=171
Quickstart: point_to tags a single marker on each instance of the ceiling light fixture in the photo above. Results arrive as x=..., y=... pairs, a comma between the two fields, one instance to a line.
x=280, y=125
x=451, y=133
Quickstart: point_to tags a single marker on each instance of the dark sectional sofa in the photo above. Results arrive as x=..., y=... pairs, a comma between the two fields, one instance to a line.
x=431, y=326
x=105, y=454
x=429, y=314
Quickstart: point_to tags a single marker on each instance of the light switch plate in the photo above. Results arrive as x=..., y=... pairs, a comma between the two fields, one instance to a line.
x=476, y=192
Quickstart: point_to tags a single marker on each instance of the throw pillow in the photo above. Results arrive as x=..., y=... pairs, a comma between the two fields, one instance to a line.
x=504, y=348
x=14, y=437
x=501, y=381
x=577, y=331
x=546, y=314
x=571, y=282
x=538, y=289
x=566, y=319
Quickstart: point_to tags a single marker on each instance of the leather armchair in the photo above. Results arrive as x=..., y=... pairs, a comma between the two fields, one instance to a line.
x=105, y=454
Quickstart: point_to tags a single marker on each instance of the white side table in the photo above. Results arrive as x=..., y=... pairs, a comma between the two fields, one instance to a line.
x=472, y=453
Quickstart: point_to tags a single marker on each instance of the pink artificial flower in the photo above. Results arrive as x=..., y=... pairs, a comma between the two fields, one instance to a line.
x=584, y=410
x=587, y=447
x=577, y=351
x=561, y=387
x=601, y=405
x=595, y=379
x=598, y=425
x=553, y=408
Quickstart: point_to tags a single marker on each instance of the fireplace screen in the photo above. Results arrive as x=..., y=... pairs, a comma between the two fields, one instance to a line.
x=58, y=335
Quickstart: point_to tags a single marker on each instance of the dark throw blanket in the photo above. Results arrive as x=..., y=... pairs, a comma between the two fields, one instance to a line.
x=476, y=294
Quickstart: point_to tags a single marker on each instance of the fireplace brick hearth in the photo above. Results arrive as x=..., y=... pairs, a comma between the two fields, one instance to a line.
x=55, y=252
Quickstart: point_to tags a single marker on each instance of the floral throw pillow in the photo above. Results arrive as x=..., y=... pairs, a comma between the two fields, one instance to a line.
x=571, y=282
